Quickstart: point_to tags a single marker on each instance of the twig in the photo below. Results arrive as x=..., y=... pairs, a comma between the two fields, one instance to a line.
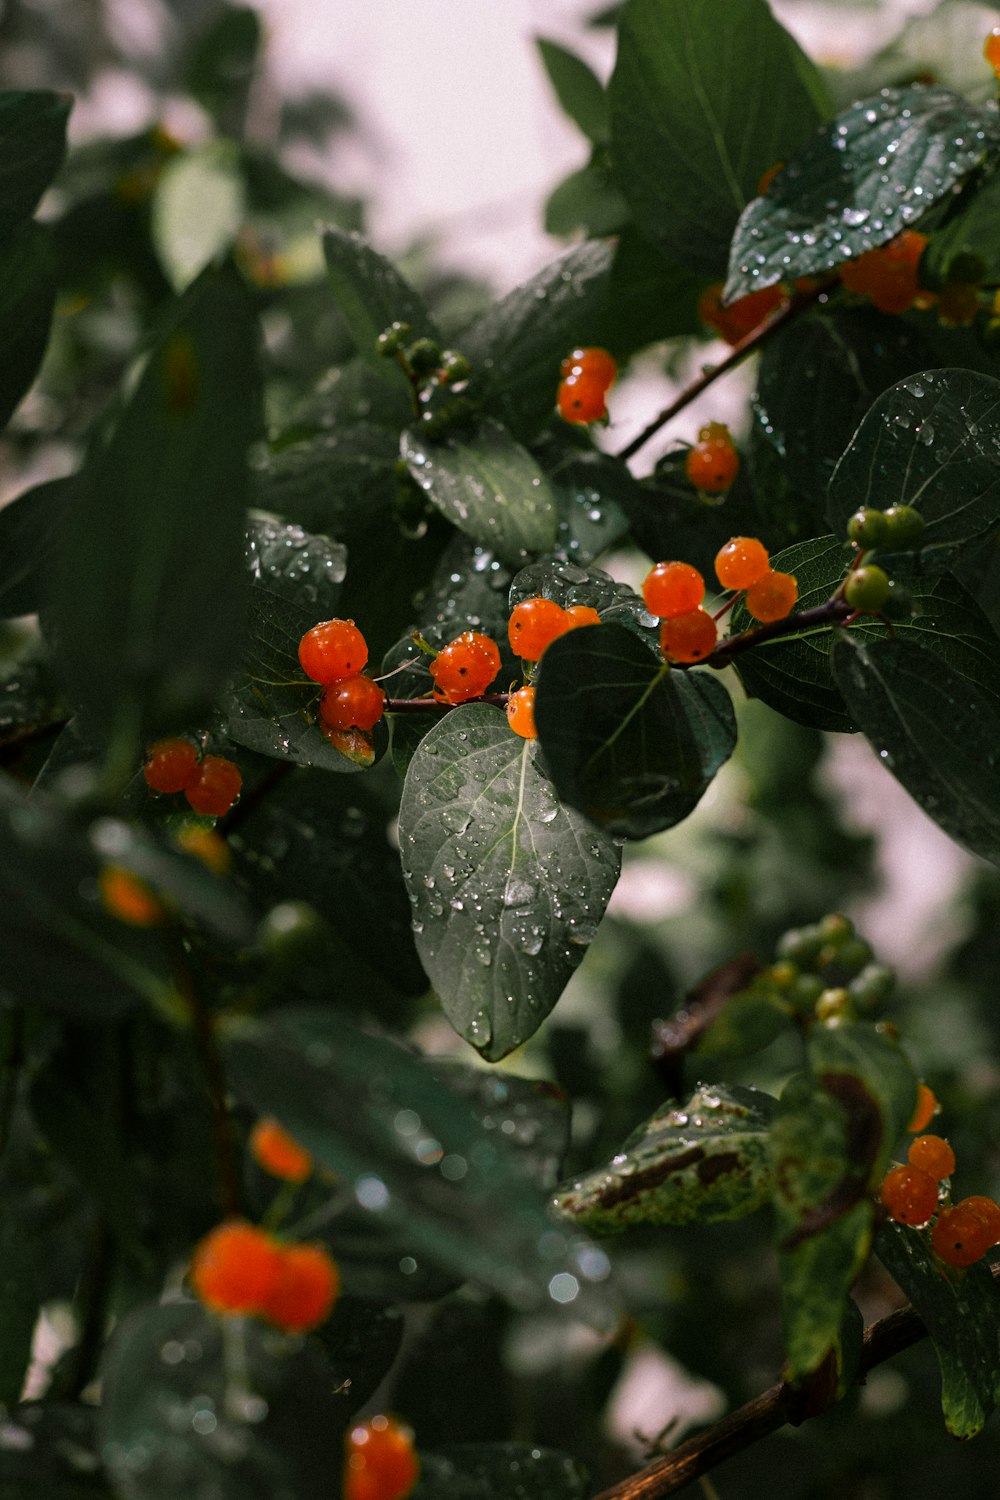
x=835, y=611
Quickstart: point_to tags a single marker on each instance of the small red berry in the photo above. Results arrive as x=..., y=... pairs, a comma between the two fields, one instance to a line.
x=932, y=1154
x=352, y=703
x=235, y=1268
x=713, y=463
x=533, y=624
x=521, y=712
x=306, y=1288
x=333, y=650
x=991, y=49
x=888, y=274
x=596, y=364
x=924, y=1110
x=216, y=786
x=689, y=637
x=737, y=319
x=909, y=1194
x=278, y=1152
x=581, y=400
x=171, y=765
x=741, y=562
x=988, y=1211
x=772, y=596
x=125, y=896
x=581, y=614
x=380, y=1462
x=465, y=667
x=672, y=588
x=960, y=1237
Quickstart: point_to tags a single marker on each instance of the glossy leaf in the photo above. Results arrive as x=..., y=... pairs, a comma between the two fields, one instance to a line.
x=587, y=203
x=933, y=442
x=507, y=885
x=297, y=566
x=32, y=147
x=488, y=486
x=147, y=606
x=968, y=231
x=517, y=345
x=704, y=98
x=578, y=89
x=933, y=728
x=361, y=1340
x=649, y=297
x=568, y=584
x=371, y=295
x=486, y=1471
x=198, y=207
x=29, y=525
x=531, y=1114
x=629, y=742
x=433, y=1173
x=858, y=182
x=19, y=1309
x=701, y=1161
x=27, y=296
x=961, y=1313
x=340, y=482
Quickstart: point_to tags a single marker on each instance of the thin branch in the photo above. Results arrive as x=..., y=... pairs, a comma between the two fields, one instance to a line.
x=835, y=611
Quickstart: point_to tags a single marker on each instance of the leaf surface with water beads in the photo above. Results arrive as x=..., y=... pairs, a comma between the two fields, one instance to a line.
x=497, y=1471
x=858, y=182
x=507, y=885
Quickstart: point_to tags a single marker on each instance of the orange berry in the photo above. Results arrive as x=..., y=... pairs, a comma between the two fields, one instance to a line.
x=713, y=463
x=380, y=1462
x=888, y=274
x=235, y=1268
x=741, y=562
x=581, y=399
x=672, y=588
x=958, y=304
x=909, y=1194
x=306, y=1288
x=171, y=765
x=278, y=1152
x=581, y=614
x=352, y=703
x=216, y=786
x=991, y=49
x=925, y=1109
x=332, y=650
x=737, y=319
x=128, y=898
x=959, y=1237
x=690, y=637
x=766, y=178
x=465, y=667
x=521, y=712
x=533, y=624
x=595, y=364
x=772, y=597
x=205, y=844
x=988, y=1211
x=932, y=1154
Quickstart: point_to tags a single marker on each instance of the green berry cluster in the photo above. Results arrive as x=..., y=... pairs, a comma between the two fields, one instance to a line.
x=897, y=529
x=431, y=371
x=828, y=973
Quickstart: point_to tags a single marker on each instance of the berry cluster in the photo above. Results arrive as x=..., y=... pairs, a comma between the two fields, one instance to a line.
x=828, y=973
x=914, y=1194
x=894, y=530
x=239, y=1269
x=713, y=463
x=736, y=320
x=211, y=784
x=888, y=274
x=674, y=591
x=379, y=1461
x=533, y=625
x=333, y=654
x=587, y=376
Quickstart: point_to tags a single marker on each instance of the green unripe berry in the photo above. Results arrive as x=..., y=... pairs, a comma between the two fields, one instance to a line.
x=965, y=268
x=805, y=992
x=854, y=954
x=423, y=356
x=290, y=931
x=392, y=339
x=835, y=928
x=867, y=589
x=905, y=527
x=873, y=986
x=800, y=945
x=834, y=1005
x=455, y=367
x=783, y=974
x=868, y=527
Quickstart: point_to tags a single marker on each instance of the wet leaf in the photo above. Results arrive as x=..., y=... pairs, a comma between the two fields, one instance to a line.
x=27, y=296
x=361, y=1340
x=371, y=295
x=508, y=886
x=28, y=526
x=297, y=566
x=698, y=1162
x=495, y=1471
x=341, y=483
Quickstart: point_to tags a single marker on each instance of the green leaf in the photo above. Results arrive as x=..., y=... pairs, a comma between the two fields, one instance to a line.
x=361, y=1340
x=27, y=295
x=578, y=89
x=297, y=566
x=197, y=210
x=371, y=294
x=221, y=65
x=531, y=1114
x=869, y=1074
x=19, y=1309
x=488, y=486
x=30, y=703
x=484, y=1471
x=32, y=147
x=51, y=1450
x=705, y=97
x=961, y=1312
x=435, y=1173
x=630, y=742
x=29, y=525
x=517, y=345
x=147, y=603
x=649, y=297
x=933, y=442
x=698, y=1162
x=341, y=482
x=586, y=202
x=568, y=584
x=793, y=673
x=933, y=728
x=969, y=230
x=858, y=182
x=507, y=885
x=272, y=707
x=269, y=1422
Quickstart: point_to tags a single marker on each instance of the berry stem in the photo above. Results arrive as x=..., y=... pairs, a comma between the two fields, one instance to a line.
x=835, y=611
x=754, y=340
x=432, y=706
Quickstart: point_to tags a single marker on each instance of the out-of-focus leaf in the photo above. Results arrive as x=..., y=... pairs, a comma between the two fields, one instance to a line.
x=198, y=207
x=32, y=147
x=27, y=295
x=484, y=1471
x=578, y=89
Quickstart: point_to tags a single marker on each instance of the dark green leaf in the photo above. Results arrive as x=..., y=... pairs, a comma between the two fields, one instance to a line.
x=961, y=1312
x=32, y=147
x=361, y=1340
x=51, y=1450
x=578, y=89
x=27, y=295
x=932, y=442
x=413, y=1152
x=702, y=1161
x=485, y=1471
x=269, y=1422
x=341, y=482
x=371, y=294
x=870, y=1075
x=704, y=98
x=30, y=702
x=970, y=230
x=29, y=525
x=532, y=1115
x=857, y=183
x=507, y=885
x=221, y=65
x=198, y=207
x=649, y=297
x=148, y=593
x=569, y=584
x=586, y=202
x=629, y=741
x=934, y=728
x=516, y=347
x=488, y=486
x=19, y=1309
x=591, y=490
x=297, y=566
